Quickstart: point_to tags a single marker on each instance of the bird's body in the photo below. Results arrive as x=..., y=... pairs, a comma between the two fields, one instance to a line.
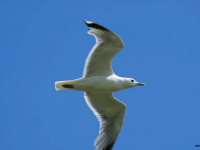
x=99, y=82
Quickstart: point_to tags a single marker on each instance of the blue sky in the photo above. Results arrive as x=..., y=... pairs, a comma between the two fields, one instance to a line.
x=47, y=41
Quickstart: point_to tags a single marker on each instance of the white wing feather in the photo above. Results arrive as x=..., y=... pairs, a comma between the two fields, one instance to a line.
x=99, y=60
x=110, y=112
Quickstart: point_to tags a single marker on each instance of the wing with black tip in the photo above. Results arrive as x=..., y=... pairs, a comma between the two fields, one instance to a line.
x=108, y=44
x=110, y=112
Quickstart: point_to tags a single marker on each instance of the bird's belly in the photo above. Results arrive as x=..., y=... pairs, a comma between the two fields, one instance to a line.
x=98, y=85
x=101, y=88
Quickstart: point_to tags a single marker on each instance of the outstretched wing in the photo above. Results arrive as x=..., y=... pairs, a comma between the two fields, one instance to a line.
x=110, y=112
x=108, y=44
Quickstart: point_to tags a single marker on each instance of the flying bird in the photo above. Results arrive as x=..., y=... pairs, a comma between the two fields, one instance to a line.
x=99, y=82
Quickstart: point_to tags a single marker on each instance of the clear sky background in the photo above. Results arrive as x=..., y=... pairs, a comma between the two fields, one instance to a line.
x=46, y=41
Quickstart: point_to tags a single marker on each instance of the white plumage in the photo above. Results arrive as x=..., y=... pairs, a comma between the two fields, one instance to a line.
x=99, y=81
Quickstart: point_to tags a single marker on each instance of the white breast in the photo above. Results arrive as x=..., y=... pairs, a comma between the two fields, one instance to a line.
x=99, y=84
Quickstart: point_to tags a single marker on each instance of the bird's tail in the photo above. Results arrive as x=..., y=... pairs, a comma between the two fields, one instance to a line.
x=65, y=85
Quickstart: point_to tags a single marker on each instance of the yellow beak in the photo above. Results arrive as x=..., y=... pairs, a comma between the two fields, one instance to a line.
x=141, y=84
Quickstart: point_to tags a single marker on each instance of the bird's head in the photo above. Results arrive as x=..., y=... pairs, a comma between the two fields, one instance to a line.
x=132, y=82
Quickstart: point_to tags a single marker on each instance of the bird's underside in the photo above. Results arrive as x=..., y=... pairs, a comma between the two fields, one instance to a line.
x=109, y=111
x=98, y=82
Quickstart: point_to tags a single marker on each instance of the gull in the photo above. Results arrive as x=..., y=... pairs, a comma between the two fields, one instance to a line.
x=99, y=82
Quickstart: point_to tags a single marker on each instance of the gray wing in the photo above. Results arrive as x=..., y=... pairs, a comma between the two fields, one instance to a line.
x=108, y=44
x=110, y=112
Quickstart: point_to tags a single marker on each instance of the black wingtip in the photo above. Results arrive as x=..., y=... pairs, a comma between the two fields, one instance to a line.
x=110, y=146
x=95, y=25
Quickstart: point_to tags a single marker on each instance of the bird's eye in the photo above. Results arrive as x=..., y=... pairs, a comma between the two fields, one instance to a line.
x=132, y=80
